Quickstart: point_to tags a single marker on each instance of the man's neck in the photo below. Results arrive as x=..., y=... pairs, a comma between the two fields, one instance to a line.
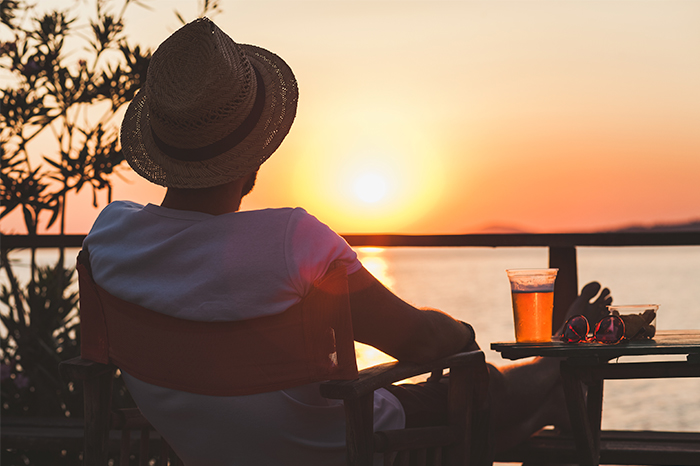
x=217, y=200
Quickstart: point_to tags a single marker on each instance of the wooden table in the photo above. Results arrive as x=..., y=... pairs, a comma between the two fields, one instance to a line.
x=591, y=363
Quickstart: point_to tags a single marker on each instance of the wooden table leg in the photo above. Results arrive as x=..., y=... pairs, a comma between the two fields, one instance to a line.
x=595, y=412
x=586, y=445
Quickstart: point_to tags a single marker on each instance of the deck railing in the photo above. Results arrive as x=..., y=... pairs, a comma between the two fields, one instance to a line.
x=562, y=249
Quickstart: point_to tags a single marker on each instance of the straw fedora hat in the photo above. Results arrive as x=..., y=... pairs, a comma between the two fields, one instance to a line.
x=211, y=110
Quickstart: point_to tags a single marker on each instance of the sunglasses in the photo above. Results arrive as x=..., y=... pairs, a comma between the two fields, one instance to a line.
x=610, y=330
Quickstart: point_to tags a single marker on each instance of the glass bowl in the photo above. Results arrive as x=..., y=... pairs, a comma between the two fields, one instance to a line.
x=639, y=319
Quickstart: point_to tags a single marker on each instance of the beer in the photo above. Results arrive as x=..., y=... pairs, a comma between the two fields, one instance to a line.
x=532, y=312
x=533, y=303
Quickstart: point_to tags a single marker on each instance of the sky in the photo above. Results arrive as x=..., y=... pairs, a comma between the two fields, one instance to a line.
x=450, y=117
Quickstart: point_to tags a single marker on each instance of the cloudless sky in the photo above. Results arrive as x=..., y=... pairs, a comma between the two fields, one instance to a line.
x=464, y=116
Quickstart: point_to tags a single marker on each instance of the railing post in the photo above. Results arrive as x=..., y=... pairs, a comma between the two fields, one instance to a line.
x=97, y=381
x=566, y=285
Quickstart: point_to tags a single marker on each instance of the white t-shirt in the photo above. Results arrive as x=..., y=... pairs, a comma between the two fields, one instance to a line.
x=235, y=266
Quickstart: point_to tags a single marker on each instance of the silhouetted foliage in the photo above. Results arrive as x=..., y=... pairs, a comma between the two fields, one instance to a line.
x=52, y=92
x=69, y=98
x=37, y=341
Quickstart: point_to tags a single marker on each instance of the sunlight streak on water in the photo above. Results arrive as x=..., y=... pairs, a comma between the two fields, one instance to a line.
x=372, y=259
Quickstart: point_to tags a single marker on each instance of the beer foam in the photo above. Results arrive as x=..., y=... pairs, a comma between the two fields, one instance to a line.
x=532, y=288
x=532, y=280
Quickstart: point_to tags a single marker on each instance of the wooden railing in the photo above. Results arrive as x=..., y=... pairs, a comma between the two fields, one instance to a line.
x=562, y=249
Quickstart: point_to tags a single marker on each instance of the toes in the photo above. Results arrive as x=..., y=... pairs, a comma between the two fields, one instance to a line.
x=604, y=299
x=590, y=290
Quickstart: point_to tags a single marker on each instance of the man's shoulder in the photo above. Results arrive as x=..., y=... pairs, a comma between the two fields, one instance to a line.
x=296, y=222
x=275, y=211
x=115, y=211
x=277, y=214
x=122, y=205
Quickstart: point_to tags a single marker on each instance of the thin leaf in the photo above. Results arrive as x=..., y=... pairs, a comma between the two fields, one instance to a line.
x=29, y=220
x=54, y=216
x=51, y=162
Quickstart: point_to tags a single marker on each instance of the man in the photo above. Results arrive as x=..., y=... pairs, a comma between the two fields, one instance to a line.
x=211, y=112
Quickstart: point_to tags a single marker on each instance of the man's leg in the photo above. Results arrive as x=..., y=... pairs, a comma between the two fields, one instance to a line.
x=528, y=396
x=524, y=398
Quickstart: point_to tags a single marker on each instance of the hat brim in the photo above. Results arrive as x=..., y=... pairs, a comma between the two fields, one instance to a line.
x=146, y=159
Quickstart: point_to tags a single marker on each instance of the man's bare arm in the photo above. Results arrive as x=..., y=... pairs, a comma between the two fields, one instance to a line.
x=383, y=320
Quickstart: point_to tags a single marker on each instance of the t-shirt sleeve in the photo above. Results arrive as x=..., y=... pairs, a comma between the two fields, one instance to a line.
x=310, y=248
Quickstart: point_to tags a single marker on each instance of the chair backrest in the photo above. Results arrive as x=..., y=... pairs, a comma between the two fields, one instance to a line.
x=310, y=342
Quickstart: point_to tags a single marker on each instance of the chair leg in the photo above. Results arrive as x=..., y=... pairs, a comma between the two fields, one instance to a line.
x=482, y=450
x=125, y=448
x=359, y=414
x=460, y=395
x=144, y=447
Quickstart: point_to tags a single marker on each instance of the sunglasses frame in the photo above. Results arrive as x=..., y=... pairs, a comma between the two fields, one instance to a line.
x=594, y=337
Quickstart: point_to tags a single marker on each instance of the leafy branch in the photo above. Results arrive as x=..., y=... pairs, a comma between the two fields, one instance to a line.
x=52, y=93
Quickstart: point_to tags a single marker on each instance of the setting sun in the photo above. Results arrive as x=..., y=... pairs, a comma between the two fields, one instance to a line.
x=371, y=187
x=368, y=172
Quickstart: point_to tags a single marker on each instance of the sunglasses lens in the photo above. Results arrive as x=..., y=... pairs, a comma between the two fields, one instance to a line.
x=575, y=330
x=610, y=330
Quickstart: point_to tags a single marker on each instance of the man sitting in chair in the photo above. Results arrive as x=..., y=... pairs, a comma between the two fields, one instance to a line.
x=210, y=113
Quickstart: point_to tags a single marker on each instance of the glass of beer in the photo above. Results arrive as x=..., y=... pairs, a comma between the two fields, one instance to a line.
x=533, y=303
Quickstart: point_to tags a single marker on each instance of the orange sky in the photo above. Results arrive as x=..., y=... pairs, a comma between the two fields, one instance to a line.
x=547, y=116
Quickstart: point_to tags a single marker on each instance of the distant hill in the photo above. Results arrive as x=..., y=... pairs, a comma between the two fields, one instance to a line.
x=499, y=229
x=667, y=227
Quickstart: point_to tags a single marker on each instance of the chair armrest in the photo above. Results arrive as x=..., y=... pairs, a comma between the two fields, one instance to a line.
x=379, y=376
x=81, y=369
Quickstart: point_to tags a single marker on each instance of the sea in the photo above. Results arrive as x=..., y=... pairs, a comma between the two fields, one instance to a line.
x=470, y=284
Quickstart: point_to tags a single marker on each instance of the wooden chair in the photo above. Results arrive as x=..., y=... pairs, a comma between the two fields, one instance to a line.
x=310, y=342
x=108, y=430
x=464, y=441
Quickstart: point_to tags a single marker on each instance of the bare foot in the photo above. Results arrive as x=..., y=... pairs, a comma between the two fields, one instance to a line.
x=594, y=310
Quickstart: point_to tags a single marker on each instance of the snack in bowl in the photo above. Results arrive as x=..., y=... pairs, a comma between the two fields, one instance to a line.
x=639, y=319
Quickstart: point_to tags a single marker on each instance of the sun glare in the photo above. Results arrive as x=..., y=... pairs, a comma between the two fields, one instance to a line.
x=375, y=177
x=371, y=187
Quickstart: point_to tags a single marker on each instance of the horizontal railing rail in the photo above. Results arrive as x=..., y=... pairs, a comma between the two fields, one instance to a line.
x=40, y=241
x=681, y=238
x=562, y=248
x=530, y=239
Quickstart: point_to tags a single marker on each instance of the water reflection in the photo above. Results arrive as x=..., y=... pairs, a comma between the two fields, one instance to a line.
x=374, y=260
